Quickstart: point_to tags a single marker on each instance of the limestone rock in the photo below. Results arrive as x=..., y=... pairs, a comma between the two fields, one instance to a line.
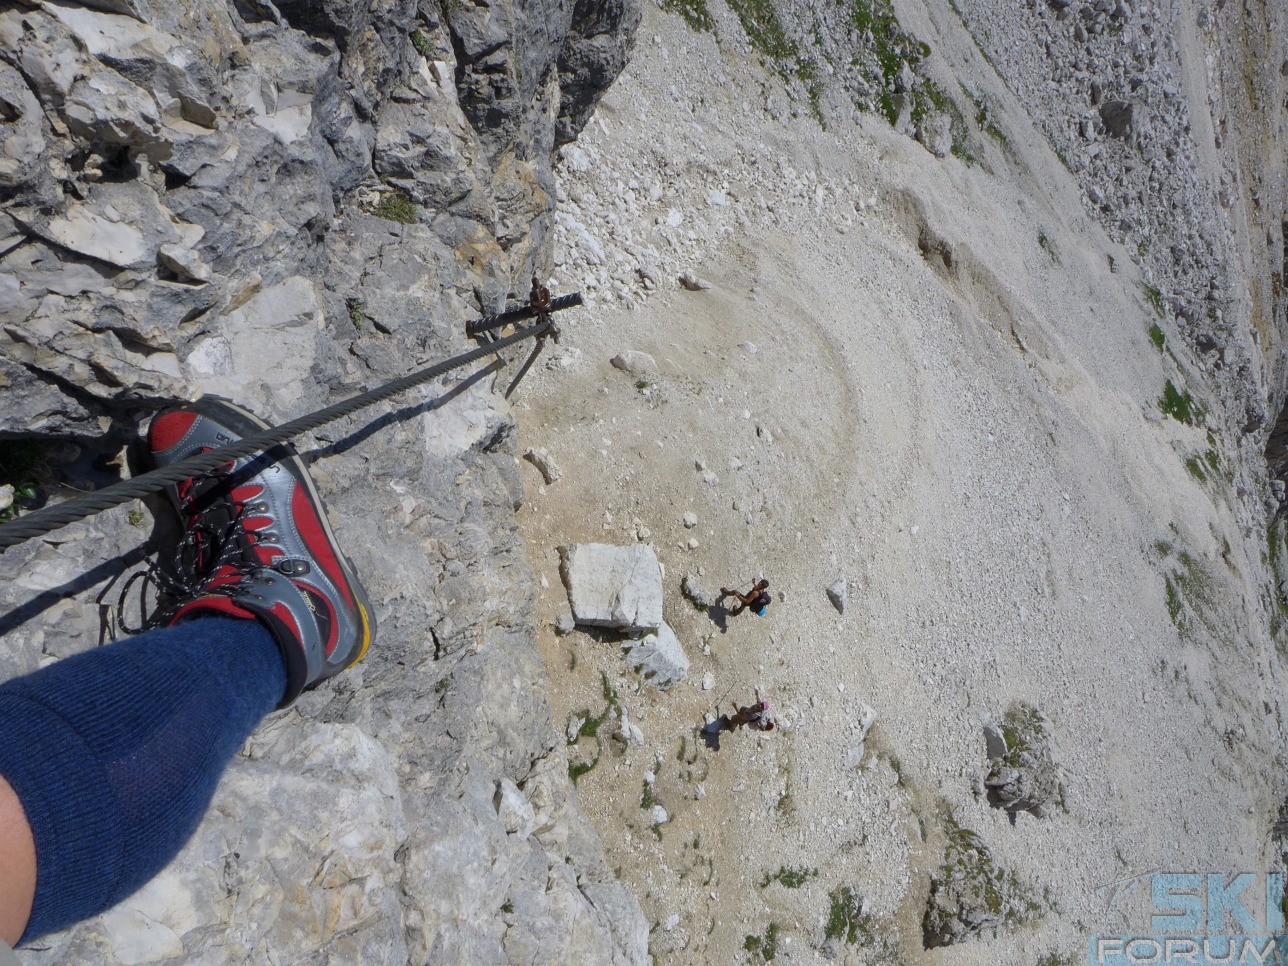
x=629, y=732
x=594, y=53
x=185, y=263
x=695, y=592
x=970, y=892
x=1122, y=119
x=836, y=592
x=564, y=621
x=545, y=464
x=693, y=283
x=514, y=810
x=269, y=343
x=21, y=139
x=1024, y=777
x=994, y=740
x=659, y=657
x=866, y=718
x=183, y=211
x=636, y=363
x=611, y=586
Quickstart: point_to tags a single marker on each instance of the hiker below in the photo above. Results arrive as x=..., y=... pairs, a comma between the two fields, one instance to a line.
x=756, y=715
x=756, y=599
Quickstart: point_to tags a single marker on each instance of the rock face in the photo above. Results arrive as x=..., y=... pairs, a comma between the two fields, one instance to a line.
x=287, y=203
x=618, y=587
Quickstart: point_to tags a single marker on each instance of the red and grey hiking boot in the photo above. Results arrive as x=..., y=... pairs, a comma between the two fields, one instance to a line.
x=257, y=544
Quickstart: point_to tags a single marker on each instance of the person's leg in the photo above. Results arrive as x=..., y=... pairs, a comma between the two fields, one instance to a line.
x=17, y=866
x=115, y=753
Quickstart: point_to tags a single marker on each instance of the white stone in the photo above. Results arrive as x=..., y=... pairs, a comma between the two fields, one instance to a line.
x=184, y=262
x=658, y=657
x=708, y=681
x=90, y=233
x=659, y=815
x=690, y=520
x=636, y=363
x=836, y=593
x=629, y=732
x=693, y=283
x=545, y=464
x=611, y=586
x=135, y=938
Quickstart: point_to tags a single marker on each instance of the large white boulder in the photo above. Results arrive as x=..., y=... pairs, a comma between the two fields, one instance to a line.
x=612, y=586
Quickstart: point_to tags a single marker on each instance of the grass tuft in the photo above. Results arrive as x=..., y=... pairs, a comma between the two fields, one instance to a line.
x=845, y=918
x=765, y=946
x=24, y=466
x=396, y=206
x=1180, y=405
x=789, y=878
x=694, y=12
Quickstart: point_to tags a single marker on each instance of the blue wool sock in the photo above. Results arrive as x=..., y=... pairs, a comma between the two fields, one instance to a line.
x=115, y=754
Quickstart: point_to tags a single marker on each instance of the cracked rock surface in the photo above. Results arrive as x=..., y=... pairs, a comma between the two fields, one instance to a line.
x=286, y=204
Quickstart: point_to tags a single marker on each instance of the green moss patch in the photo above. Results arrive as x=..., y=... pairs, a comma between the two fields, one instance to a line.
x=766, y=946
x=1180, y=405
x=396, y=206
x=694, y=12
x=789, y=878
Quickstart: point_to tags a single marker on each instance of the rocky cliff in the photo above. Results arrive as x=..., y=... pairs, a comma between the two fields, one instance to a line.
x=287, y=203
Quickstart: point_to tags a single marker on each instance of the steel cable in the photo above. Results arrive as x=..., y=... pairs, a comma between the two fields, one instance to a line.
x=50, y=518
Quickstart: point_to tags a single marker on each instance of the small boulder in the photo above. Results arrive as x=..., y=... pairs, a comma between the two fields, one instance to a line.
x=545, y=464
x=564, y=623
x=694, y=591
x=994, y=740
x=636, y=363
x=1025, y=776
x=693, y=283
x=658, y=657
x=836, y=594
x=628, y=732
x=970, y=893
x=184, y=262
x=1122, y=119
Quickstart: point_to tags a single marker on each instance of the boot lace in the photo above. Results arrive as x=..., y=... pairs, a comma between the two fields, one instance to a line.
x=214, y=557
